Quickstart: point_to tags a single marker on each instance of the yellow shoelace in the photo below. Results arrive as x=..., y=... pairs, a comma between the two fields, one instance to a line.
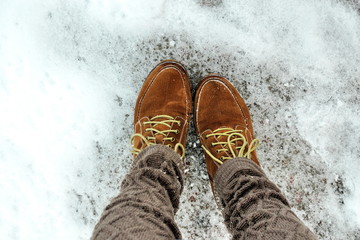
x=152, y=140
x=232, y=137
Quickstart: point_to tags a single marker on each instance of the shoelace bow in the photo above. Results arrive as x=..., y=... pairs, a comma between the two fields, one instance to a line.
x=232, y=137
x=151, y=140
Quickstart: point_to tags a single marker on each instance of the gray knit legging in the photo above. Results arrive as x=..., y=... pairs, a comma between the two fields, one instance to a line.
x=253, y=207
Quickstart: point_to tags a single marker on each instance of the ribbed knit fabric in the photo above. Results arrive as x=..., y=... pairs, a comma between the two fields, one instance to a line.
x=148, y=201
x=253, y=207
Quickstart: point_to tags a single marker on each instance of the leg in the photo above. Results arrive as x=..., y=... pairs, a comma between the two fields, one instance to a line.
x=150, y=193
x=148, y=201
x=253, y=207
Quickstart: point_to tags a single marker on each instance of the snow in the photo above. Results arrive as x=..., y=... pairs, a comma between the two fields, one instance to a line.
x=69, y=77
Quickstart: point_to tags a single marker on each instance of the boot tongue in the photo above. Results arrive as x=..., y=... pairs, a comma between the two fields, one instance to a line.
x=161, y=127
x=234, y=144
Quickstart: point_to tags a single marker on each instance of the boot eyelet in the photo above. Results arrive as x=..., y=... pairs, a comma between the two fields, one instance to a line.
x=222, y=158
x=172, y=139
x=177, y=131
x=169, y=145
x=217, y=151
x=212, y=144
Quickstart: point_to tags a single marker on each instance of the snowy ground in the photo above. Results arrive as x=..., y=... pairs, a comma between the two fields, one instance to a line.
x=70, y=73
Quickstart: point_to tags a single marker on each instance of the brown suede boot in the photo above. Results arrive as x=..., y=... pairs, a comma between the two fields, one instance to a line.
x=163, y=108
x=223, y=123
